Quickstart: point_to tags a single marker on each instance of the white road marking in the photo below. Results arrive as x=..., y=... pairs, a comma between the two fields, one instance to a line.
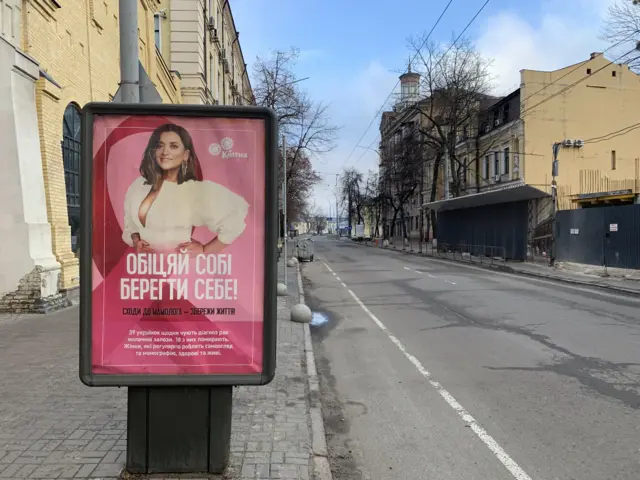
x=407, y=268
x=343, y=284
x=328, y=268
x=504, y=458
x=432, y=276
x=338, y=278
x=449, y=281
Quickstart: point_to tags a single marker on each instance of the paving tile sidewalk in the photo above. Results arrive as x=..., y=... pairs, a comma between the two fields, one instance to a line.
x=52, y=426
x=614, y=283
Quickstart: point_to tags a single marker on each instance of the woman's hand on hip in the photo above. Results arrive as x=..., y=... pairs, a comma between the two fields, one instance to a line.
x=191, y=248
x=142, y=246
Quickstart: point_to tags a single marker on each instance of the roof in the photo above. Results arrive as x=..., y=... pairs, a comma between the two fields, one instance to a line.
x=511, y=192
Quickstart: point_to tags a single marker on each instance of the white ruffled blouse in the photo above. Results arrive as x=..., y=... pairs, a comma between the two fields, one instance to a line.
x=178, y=208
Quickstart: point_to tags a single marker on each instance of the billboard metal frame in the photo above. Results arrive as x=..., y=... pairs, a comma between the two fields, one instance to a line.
x=89, y=113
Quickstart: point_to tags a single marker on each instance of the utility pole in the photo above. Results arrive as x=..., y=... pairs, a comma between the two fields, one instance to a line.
x=554, y=201
x=129, y=71
x=284, y=204
x=337, y=211
x=447, y=164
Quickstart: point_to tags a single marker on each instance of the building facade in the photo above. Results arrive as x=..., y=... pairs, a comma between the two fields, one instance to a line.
x=199, y=39
x=402, y=188
x=56, y=56
x=588, y=111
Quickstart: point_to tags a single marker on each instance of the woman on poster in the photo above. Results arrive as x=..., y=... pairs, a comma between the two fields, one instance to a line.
x=165, y=204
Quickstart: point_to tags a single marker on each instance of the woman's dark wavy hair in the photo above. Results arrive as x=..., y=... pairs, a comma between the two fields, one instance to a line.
x=149, y=168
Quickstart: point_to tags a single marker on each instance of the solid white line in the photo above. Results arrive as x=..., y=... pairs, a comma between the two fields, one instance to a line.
x=482, y=434
x=449, y=281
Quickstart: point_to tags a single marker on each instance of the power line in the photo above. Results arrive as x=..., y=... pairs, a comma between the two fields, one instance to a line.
x=398, y=82
x=580, y=65
x=437, y=64
x=524, y=112
x=617, y=133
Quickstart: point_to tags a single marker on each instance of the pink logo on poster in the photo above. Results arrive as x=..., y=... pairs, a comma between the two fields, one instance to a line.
x=178, y=245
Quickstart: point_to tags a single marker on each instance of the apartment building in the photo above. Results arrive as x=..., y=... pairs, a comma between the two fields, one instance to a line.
x=199, y=40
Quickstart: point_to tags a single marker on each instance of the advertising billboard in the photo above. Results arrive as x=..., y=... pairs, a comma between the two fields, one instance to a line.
x=178, y=245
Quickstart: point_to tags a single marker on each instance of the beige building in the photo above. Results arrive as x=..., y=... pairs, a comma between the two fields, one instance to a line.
x=56, y=56
x=594, y=121
x=199, y=39
x=590, y=110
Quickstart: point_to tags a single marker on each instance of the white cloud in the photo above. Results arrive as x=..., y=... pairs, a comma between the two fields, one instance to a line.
x=566, y=34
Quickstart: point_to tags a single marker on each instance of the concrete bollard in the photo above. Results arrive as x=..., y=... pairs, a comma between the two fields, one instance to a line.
x=282, y=290
x=291, y=263
x=300, y=313
x=385, y=243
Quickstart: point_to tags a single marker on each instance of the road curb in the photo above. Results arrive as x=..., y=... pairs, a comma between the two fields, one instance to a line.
x=321, y=467
x=514, y=271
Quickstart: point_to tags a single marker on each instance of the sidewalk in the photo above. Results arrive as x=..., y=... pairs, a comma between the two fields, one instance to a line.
x=52, y=426
x=569, y=273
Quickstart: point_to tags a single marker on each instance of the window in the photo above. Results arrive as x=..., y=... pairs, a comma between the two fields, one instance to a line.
x=613, y=159
x=71, y=150
x=588, y=71
x=212, y=77
x=496, y=163
x=505, y=160
x=505, y=113
x=486, y=166
x=156, y=30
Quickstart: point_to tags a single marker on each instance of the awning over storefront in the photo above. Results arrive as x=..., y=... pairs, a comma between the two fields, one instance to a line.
x=513, y=192
x=616, y=197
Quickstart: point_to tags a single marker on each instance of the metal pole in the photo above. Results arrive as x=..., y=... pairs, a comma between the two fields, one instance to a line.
x=284, y=204
x=129, y=72
x=554, y=206
x=447, y=167
x=337, y=211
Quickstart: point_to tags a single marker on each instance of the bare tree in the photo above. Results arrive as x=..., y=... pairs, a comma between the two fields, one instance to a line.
x=304, y=122
x=300, y=181
x=276, y=86
x=622, y=27
x=374, y=202
x=456, y=82
x=353, y=195
x=402, y=163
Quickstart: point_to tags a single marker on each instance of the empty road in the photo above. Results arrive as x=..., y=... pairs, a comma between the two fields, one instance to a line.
x=437, y=370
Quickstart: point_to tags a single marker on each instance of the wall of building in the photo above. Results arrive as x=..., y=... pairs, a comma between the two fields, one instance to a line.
x=607, y=102
x=78, y=47
x=199, y=36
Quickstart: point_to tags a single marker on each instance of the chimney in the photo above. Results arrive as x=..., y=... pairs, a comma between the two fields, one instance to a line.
x=595, y=54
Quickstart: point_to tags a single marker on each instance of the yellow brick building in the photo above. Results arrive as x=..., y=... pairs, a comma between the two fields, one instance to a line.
x=54, y=58
x=77, y=47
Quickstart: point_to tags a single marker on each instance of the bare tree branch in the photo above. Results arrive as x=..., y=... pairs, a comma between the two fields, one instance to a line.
x=622, y=26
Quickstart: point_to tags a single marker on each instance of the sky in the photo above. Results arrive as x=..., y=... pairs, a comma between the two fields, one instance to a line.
x=354, y=50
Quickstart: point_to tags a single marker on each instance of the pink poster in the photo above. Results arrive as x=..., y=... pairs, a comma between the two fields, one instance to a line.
x=177, y=245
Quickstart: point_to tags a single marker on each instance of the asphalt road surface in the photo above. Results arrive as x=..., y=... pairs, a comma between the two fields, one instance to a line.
x=437, y=370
